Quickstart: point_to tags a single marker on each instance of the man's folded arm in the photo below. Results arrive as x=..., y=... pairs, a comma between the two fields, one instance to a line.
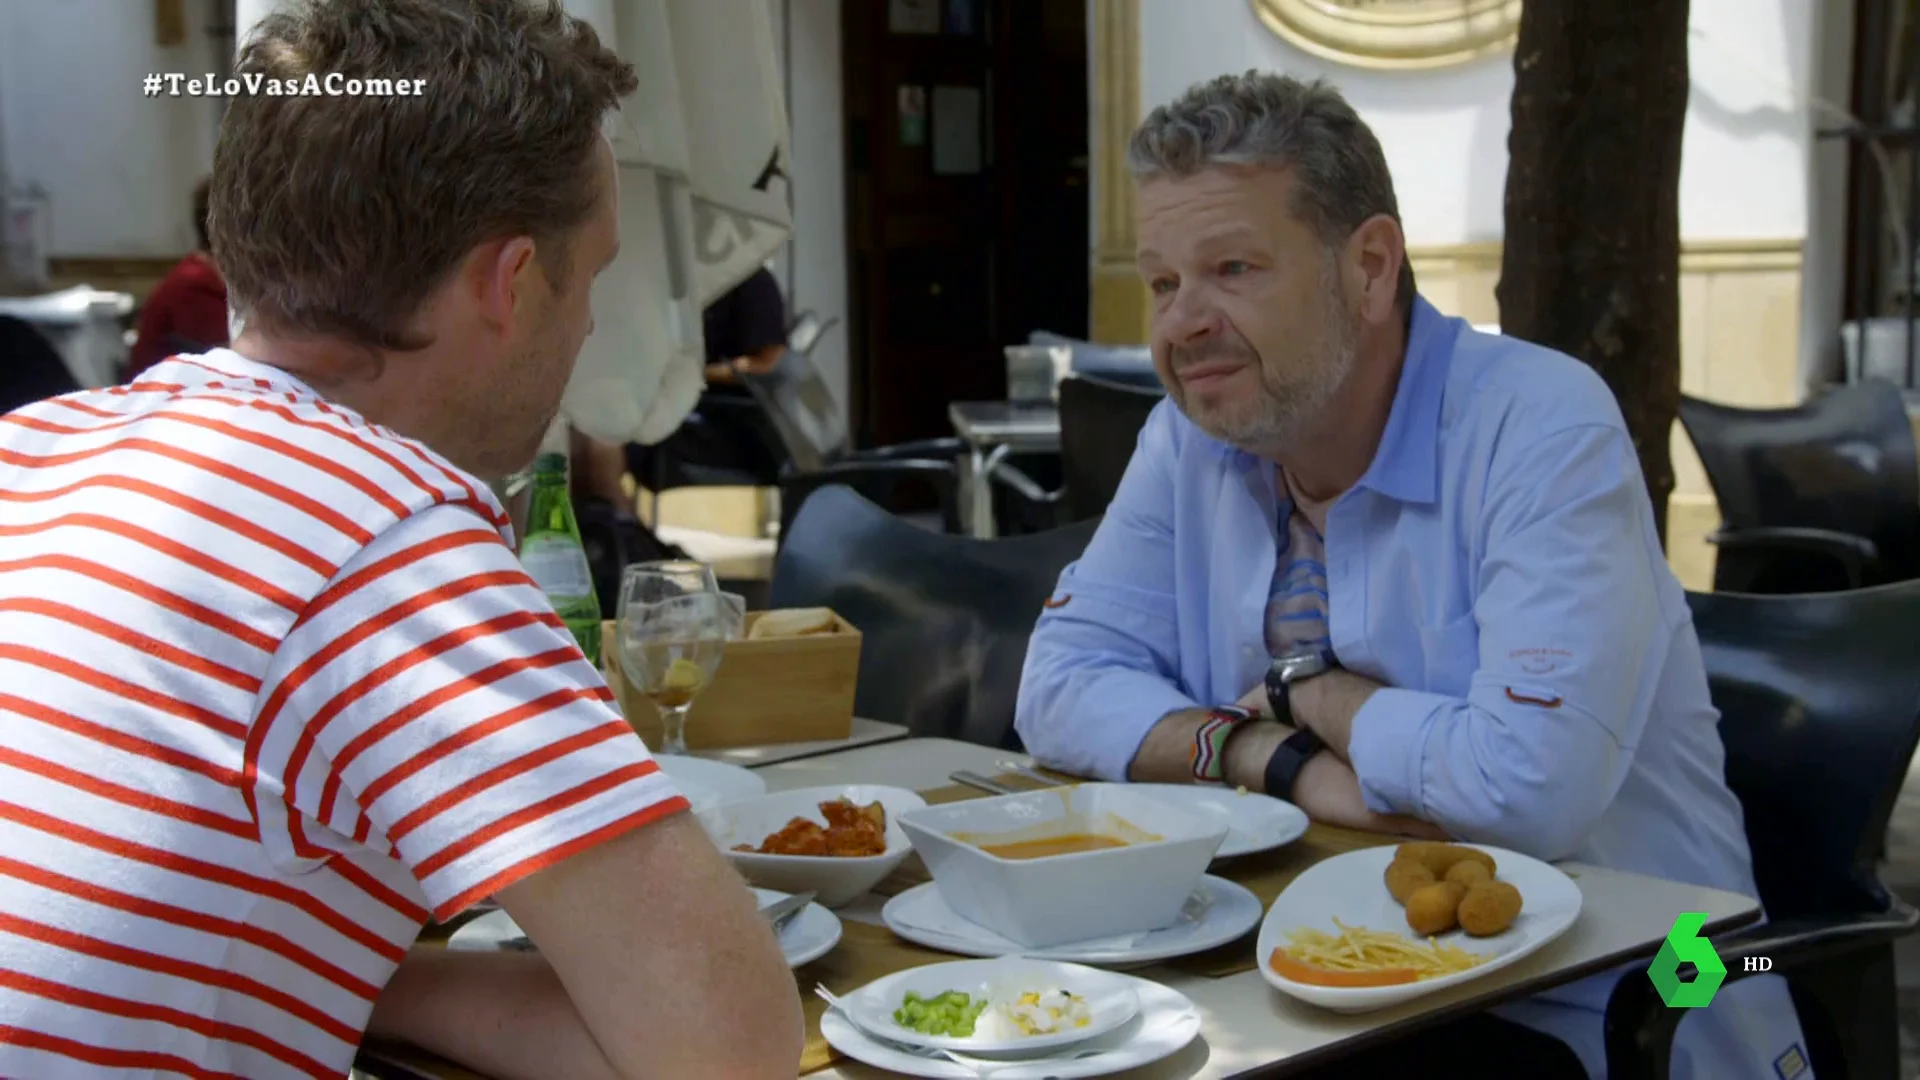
x=1570, y=621
x=1103, y=664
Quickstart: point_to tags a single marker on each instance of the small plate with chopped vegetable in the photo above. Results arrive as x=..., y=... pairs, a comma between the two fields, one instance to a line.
x=1011, y=1006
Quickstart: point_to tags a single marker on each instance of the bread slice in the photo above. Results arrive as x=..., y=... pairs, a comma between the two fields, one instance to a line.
x=792, y=622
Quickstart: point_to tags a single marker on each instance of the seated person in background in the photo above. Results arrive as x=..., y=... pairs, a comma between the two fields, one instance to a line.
x=187, y=311
x=1421, y=560
x=744, y=330
x=274, y=689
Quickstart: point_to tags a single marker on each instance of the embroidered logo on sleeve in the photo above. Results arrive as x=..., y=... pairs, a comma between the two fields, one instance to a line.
x=1791, y=1064
x=1539, y=661
x=1057, y=601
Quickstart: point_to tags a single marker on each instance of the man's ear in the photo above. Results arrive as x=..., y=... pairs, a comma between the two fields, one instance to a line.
x=1373, y=257
x=500, y=276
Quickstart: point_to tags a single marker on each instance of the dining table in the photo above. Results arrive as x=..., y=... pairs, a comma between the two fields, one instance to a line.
x=1248, y=1028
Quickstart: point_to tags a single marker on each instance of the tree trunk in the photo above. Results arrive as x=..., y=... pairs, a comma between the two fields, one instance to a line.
x=1591, y=265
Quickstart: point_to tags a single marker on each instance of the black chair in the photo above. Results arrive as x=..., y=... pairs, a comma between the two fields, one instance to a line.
x=1819, y=698
x=1100, y=424
x=727, y=440
x=1817, y=497
x=819, y=451
x=944, y=619
x=30, y=367
x=1129, y=365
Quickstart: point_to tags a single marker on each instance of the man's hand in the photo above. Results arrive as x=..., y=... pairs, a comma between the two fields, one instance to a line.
x=1256, y=701
x=1329, y=792
x=1326, y=704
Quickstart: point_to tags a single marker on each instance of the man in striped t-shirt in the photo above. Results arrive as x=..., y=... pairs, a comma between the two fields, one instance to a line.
x=273, y=688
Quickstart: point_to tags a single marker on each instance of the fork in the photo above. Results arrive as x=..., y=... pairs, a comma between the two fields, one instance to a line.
x=1199, y=902
x=982, y=1067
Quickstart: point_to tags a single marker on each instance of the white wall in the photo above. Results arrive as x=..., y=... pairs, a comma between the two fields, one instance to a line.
x=1744, y=165
x=119, y=168
x=813, y=269
x=1823, y=273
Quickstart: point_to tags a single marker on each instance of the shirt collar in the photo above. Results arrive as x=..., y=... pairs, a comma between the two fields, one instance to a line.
x=1406, y=465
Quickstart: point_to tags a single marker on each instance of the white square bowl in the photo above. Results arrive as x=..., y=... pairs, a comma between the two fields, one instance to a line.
x=1063, y=898
x=836, y=880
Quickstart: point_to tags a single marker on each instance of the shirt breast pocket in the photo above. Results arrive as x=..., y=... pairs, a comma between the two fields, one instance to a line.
x=1450, y=654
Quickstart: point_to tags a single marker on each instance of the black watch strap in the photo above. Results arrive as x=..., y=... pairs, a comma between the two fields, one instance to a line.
x=1283, y=768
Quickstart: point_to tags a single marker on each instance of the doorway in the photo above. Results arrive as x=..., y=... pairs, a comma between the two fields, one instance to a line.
x=967, y=212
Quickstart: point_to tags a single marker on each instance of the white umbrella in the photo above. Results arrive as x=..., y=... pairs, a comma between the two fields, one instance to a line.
x=702, y=148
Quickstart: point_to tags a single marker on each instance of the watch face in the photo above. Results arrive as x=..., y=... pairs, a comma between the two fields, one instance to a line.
x=1297, y=664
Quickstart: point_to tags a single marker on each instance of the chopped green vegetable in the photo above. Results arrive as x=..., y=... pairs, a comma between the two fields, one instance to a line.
x=951, y=1013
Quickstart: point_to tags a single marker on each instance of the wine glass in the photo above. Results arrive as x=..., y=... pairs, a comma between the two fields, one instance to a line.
x=672, y=627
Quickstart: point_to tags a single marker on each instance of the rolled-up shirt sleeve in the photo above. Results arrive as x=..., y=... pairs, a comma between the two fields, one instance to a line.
x=1569, y=615
x=1103, y=664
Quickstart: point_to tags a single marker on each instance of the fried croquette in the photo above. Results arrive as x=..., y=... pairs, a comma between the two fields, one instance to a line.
x=1406, y=875
x=1487, y=908
x=1430, y=908
x=1468, y=872
x=1440, y=858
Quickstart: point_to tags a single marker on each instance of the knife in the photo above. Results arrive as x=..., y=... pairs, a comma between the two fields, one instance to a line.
x=1032, y=773
x=783, y=911
x=975, y=780
x=778, y=914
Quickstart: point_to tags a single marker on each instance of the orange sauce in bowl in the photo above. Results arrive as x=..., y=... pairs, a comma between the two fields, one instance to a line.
x=1070, y=844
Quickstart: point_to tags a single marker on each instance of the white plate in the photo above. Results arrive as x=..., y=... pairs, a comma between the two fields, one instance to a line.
x=1352, y=887
x=1254, y=822
x=710, y=783
x=1166, y=1023
x=1111, y=1001
x=1224, y=913
x=812, y=934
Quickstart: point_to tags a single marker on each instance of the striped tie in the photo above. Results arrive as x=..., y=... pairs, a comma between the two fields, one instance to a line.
x=1297, y=607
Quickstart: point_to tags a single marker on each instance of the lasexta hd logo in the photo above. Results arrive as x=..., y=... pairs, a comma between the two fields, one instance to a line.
x=1684, y=945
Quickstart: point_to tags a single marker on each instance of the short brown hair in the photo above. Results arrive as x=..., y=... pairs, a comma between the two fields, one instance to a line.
x=200, y=212
x=1261, y=119
x=338, y=216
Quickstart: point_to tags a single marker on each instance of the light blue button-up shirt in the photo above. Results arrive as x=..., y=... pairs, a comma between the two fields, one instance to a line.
x=1497, y=570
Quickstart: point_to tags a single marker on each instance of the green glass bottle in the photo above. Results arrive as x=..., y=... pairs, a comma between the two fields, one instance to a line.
x=554, y=558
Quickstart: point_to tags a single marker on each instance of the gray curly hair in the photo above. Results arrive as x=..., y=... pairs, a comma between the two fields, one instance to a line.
x=1261, y=119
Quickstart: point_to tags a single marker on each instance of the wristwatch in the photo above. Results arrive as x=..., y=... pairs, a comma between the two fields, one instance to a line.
x=1283, y=768
x=1290, y=667
x=1209, y=756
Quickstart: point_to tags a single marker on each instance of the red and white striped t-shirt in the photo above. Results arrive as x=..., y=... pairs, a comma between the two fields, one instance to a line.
x=273, y=688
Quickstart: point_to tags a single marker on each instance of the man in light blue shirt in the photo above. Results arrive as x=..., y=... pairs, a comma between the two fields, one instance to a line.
x=1440, y=538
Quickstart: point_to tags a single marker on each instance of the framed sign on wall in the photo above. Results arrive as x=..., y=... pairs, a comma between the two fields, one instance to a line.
x=1394, y=33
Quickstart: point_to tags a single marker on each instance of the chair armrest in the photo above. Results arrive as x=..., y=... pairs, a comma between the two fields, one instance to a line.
x=848, y=472
x=863, y=476
x=1857, y=555
x=947, y=448
x=1640, y=1027
x=1025, y=486
x=725, y=405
